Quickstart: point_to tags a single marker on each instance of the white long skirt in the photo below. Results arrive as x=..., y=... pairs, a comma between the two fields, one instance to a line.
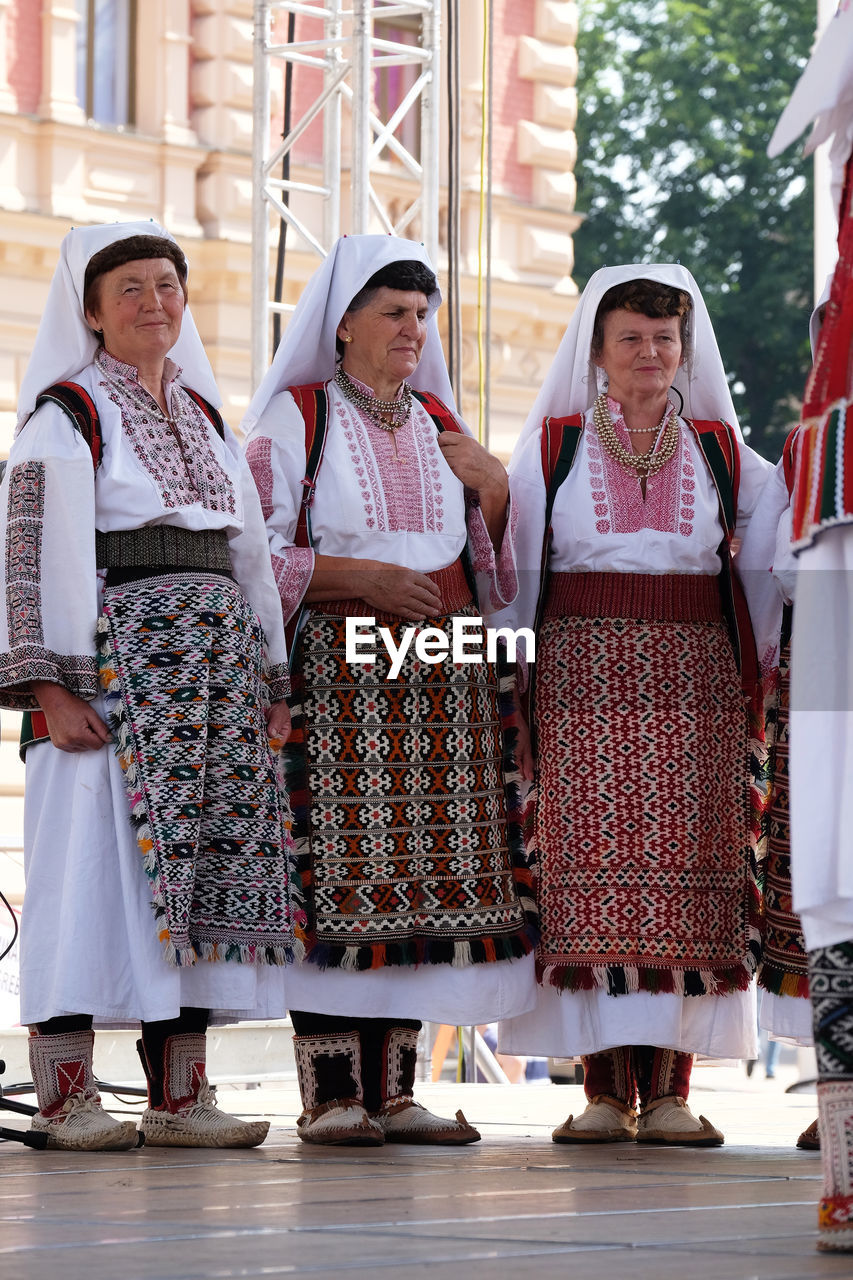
x=88, y=934
x=431, y=992
x=786, y=1017
x=583, y=1022
x=822, y=740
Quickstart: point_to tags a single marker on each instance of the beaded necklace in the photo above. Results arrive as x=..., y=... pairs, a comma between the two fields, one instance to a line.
x=641, y=464
x=378, y=411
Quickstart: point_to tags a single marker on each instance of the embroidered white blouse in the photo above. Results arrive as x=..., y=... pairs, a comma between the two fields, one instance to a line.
x=768, y=566
x=52, y=501
x=601, y=523
x=406, y=509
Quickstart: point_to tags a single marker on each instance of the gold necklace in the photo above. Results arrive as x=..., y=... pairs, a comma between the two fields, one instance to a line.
x=641, y=464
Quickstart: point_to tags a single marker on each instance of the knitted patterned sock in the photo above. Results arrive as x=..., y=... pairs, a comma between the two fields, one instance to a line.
x=610, y=1073
x=661, y=1073
x=831, y=986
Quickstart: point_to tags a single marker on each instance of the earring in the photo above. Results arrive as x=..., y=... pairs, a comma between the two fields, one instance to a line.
x=347, y=337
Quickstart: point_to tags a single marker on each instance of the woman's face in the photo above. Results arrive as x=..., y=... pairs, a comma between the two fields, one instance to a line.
x=387, y=337
x=640, y=354
x=139, y=308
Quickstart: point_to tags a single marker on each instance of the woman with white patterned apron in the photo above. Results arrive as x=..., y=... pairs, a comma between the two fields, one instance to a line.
x=140, y=627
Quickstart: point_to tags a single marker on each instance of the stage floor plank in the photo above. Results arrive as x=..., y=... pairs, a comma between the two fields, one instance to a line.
x=513, y=1205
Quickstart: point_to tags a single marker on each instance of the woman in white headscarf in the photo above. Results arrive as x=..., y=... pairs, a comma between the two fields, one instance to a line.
x=140, y=608
x=374, y=492
x=641, y=810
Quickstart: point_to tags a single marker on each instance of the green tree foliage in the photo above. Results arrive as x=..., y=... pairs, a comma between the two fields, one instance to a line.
x=677, y=105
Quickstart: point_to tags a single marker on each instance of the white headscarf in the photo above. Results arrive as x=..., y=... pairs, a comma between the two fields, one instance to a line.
x=572, y=386
x=824, y=94
x=307, y=350
x=65, y=345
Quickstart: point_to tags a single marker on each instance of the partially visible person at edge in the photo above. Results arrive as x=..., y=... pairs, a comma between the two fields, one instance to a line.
x=141, y=618
x=821, y=649
x=643, y=829
x=784, y=1009
x=418, y=896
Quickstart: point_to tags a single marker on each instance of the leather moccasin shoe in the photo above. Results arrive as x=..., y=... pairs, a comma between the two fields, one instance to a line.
x=604, y=1120
x=340, y=1123
x=670, y=1120
x=809, y=1139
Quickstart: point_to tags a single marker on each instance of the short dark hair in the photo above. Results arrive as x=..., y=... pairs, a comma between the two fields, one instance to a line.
x=408, y=275
x=130, y=249
x=647, y=298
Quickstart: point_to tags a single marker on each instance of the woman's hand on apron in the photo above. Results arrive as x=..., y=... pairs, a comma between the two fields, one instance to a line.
x=73, y=724
x=278, y=724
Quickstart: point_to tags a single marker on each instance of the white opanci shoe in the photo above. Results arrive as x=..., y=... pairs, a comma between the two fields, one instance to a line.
x=605, y=1119
x=82, y=1124
x=670, y=1120
x=70, y=1110
x=340, y=1123
x=329, y=1072
x=189, y=1116
x=404, y=1120
x=199, y=1123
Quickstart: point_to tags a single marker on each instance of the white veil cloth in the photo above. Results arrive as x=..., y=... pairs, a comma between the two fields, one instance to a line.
x=307, y=350
x=571, y=384
x=823, y=96
x=65, y=344
x=821, y=655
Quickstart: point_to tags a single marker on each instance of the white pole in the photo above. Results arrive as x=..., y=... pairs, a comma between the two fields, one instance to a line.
x=260, y=214
x=332, y=132
x=825, y=221
x=430, y=131
x=361, y=62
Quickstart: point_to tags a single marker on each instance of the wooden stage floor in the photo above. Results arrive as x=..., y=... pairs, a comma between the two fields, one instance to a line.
x=512, y=1205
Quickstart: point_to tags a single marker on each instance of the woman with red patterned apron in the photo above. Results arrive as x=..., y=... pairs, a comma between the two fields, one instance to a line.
x=631, y=478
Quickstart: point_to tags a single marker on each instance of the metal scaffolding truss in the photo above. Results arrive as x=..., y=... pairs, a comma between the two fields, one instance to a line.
x=348, y=53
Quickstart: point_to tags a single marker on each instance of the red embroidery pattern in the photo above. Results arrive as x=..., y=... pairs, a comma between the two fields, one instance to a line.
x=181, y=462
x=642, y=817
x=396, y=496
x=500, y=568
x=71, y=1077
x=292, y=573
x=618, y=503
x=259, y=458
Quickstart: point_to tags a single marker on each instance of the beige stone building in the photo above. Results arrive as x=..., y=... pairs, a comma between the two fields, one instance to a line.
x=120, y=109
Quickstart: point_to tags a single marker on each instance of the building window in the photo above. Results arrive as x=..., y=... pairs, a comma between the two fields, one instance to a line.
x=392, y=83
x=106, y=60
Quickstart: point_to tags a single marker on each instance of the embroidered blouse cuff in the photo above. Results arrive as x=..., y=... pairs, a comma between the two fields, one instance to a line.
x=77, y=672
x=292, y=573
x=278, y=682
x=499, y=570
